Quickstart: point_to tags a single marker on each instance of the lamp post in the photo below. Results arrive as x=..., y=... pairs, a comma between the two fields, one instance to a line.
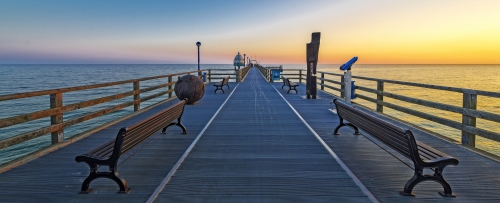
x=198, y=44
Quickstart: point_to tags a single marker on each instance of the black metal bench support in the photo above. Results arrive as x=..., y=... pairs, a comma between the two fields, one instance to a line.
x=112, y=174
x=356, y=130
x=402, y=141
x=418, y=177
x=95, y=162
x=218, y=86
x=178, y=123
x=109, y=153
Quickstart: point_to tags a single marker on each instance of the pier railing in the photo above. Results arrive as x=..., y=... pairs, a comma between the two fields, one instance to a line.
x=334, y=83
x=219, y=74
x=57, y=109
x=289, y=73
x=467, y=110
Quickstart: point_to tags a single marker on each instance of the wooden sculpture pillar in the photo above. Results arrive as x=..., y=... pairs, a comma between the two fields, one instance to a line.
x=312, y=51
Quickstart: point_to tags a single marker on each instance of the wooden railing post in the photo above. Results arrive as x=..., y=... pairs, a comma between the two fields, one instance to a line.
x=300, y=76
x=342, y=87
x=469, y=102
x=55, y=102
x=170, y=86
x=238, y=79
x=380, y=97
x=209, y=75
x=322, y=81
x=137, y=96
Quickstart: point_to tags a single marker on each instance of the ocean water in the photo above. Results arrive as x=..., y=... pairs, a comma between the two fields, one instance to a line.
x=27, y=78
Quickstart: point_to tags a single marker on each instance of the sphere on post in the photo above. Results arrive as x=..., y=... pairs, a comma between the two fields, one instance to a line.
x=189, y=87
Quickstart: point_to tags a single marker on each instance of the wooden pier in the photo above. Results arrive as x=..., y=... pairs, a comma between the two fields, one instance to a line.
x=255, y=143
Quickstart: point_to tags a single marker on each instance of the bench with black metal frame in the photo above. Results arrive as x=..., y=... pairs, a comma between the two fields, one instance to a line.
x=219, y=85
x=129, y=137
x=402, y=141
x=291, y=85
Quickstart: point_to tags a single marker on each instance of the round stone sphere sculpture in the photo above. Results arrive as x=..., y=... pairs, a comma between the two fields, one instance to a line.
x=190, y=87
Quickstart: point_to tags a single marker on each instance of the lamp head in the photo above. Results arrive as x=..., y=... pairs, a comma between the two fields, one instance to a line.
x=198, y=44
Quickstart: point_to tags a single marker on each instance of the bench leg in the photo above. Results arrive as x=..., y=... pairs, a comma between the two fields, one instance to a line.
x=177, y=124
x=356, y=130
x=112, y=174
x=90, y=178
x=292, y=88
x=418, y=177
x=335, y=132
x=183, y=128
x=219, y=89
x=120, y=181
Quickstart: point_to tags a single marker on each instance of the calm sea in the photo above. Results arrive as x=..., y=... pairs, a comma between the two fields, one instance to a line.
x=27, y=78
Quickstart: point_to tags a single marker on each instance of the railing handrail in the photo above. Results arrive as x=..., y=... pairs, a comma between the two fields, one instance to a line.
x=437, y=87
x=83, y=87
x=57, y=109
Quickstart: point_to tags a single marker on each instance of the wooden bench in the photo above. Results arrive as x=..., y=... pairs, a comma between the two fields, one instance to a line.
x=127, y=138
x=222, y=84
x=402, y=141
x=291, y=85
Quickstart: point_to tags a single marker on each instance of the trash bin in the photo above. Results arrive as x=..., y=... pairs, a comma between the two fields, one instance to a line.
x=276, y=74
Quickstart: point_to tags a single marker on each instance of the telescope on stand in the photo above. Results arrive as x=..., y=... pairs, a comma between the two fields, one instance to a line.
x=348, y=83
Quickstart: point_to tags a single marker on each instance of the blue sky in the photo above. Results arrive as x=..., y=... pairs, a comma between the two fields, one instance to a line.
x=386, y=31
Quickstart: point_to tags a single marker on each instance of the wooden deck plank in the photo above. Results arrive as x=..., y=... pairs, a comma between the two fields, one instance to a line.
x=473, y=180
x=258, y=149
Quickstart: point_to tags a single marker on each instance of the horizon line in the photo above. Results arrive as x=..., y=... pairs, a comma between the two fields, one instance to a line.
x=230, y=64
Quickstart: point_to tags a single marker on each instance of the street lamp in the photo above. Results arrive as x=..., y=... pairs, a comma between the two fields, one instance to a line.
x=198, y=44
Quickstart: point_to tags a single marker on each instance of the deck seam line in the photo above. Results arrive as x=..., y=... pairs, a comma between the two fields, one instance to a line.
x=165, y=181
x=349, y=172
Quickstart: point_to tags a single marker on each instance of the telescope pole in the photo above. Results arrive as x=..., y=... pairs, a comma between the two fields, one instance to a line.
x=348, y=86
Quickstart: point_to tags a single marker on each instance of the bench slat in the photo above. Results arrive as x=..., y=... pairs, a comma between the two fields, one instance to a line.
x=388, y=137
x=105, y=150
x=139, y=132
x=428, y=153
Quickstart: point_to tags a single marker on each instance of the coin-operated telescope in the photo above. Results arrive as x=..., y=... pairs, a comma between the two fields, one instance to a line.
x=347, y=66
x=348, y=83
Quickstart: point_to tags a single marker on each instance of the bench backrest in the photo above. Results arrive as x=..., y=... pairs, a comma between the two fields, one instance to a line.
x=285, y=80
x=140, y=131
x=393, y=136
x=225, y=81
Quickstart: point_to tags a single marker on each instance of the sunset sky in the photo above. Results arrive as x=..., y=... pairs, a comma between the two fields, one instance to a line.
x=273, y=31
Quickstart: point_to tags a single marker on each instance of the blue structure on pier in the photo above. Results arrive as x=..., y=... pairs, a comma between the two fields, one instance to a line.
x=238, y=61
